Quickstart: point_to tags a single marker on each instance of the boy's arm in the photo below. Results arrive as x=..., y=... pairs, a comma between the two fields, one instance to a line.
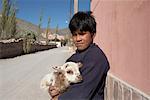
x=94, y=72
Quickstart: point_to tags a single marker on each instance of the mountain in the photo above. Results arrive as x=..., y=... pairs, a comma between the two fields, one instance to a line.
x=23, y=25
x=64, y=31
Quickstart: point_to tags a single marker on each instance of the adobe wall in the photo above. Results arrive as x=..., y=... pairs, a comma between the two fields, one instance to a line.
x=123, y=32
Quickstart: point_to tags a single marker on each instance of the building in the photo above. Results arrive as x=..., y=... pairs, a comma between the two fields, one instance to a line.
x=123, y=32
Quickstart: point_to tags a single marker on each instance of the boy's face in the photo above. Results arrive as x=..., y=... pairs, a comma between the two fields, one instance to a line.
x=82, y=39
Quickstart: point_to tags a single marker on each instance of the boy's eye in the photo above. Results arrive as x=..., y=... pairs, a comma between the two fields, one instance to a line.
x=74, y=34
x=82, y=33
x=70, y=72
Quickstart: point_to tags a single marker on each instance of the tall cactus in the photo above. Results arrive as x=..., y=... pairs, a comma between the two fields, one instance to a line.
x=39, y=26
x=11, y=23
x=48, y=25
x=13, y=30
x=56, y=33
x=4, y=18
x=8, y=20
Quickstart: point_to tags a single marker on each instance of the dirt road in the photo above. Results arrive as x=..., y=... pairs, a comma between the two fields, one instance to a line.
x=20, y=77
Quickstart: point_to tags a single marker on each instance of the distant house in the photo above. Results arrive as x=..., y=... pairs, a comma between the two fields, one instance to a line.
x=53, y=36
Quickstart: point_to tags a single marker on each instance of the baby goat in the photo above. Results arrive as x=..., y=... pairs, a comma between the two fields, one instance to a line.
x=62, y=76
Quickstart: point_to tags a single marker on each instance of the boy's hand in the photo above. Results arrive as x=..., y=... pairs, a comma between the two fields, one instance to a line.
x=53, y=92
x=54, y=98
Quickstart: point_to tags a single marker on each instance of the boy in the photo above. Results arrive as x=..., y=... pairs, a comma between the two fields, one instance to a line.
x=95, y=64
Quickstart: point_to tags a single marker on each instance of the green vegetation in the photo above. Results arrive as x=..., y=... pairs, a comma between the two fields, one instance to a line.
x=8, y=20
x=28, y=40
x=12, y=27
x=39, y=26
x=47, y=30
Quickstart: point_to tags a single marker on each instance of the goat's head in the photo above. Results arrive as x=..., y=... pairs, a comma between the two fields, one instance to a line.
x=71, y=71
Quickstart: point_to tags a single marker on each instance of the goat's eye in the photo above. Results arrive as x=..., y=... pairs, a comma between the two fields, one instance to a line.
x=70, y=72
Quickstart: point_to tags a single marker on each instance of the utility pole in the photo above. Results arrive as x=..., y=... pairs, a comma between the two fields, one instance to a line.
x=75, y=6
x=70, y=9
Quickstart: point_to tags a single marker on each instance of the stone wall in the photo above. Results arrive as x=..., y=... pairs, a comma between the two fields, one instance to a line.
x=8, y=50
x=13, y=49
x=117, y=89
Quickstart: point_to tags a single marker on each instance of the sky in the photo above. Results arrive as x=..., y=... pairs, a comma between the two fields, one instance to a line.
x=57, y=10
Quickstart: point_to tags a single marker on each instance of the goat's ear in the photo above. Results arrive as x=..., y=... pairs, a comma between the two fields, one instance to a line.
x=66, y=66
x=58, y=72
x=80, y=64
x=56, y=68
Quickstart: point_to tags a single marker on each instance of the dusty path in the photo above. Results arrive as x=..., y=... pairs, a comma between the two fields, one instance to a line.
x=20, y=77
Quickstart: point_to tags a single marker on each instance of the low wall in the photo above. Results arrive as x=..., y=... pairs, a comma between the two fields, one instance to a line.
x=13, y=49
x=117, y=89
x=38, y=47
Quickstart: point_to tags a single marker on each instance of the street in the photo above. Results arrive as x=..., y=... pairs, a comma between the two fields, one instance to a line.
x=20, y=76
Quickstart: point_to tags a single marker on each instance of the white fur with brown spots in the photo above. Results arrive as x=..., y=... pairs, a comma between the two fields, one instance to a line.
x=62, y=76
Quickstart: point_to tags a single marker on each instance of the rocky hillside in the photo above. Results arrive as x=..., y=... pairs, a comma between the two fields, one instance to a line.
x=23, y=25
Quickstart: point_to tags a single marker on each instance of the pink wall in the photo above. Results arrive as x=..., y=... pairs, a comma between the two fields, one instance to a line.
x=123, y=32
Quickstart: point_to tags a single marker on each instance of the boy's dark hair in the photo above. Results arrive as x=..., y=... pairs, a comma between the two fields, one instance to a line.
x=83, y=21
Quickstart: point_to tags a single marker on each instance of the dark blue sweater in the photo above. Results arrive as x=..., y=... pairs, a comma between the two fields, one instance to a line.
x=94, y=72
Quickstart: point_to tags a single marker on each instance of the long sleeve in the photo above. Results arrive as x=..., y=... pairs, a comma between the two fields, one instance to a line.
x=94, y=72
